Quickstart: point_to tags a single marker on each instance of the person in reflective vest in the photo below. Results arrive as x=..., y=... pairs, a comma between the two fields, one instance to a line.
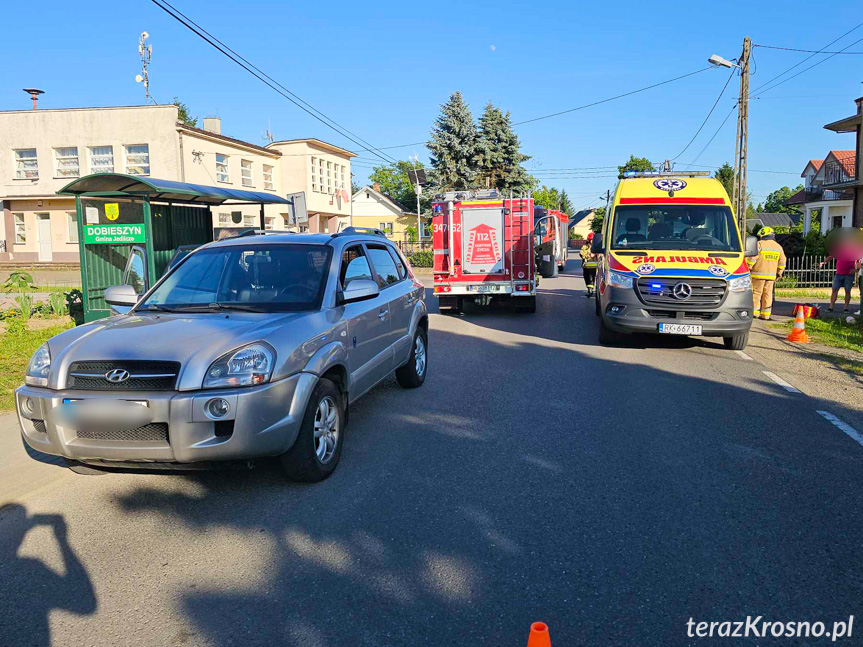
x=588, y=263
x=765, y=269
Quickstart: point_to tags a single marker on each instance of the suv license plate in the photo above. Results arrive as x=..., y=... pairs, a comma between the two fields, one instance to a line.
x=679, y=329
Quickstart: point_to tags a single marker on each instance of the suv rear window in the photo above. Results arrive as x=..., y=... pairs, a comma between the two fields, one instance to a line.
x=384, y=265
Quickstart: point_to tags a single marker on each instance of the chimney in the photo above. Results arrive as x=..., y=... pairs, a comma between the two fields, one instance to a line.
x=34, y=94
x=213, y=125
x=377, y=187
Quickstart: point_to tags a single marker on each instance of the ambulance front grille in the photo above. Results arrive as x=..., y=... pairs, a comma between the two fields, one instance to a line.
x=702, y=292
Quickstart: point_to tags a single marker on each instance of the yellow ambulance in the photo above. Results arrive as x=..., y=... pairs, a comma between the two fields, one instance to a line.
x=672, y=261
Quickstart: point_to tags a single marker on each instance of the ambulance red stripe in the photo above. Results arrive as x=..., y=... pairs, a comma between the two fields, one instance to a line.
x=672, y=200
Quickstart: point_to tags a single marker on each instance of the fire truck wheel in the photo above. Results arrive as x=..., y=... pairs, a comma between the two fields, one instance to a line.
x=452, y=305
x=525, y=304
x=607, y=336
x=736, y=342
x=413, y=374
x=318, y=447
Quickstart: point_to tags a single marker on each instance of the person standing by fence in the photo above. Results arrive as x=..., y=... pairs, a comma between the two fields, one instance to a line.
x=844, y=278
x=765, y=269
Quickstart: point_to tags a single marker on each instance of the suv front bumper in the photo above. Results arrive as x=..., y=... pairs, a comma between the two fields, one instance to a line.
x=266, y=420
x=624, y=311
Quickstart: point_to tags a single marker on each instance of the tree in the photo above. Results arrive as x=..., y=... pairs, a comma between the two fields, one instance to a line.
x=598, y=219
x=566, y=204
x=725, y=175
x=184, y=115
x=636, y=164
x=396, y=183
x=776, y=200
x=354, y=186
x=547, y=197
x=498, y=158
x=452, y=145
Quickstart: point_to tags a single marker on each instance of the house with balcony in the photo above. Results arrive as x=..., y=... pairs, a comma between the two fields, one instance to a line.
x=852, y=182
x=825, y=200
x=43, y=150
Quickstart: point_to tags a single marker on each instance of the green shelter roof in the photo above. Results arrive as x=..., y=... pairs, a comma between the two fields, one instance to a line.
x=139, y=186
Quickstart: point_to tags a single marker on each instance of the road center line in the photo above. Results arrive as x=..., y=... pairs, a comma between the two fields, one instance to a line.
x=844, y=426
x=781, y=382
x=744, y=355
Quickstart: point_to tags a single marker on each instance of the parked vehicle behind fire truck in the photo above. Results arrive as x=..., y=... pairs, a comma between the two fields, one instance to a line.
x=551, y=228
x=483, y=250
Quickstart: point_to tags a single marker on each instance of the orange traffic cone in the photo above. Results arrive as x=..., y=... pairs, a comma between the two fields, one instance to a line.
x=798, y=334
x=538, y=635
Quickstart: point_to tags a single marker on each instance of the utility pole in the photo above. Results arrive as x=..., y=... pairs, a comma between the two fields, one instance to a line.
x=741, y=147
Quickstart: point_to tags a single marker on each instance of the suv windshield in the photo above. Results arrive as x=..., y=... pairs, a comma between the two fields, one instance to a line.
x=258, y=278
x=675, y=227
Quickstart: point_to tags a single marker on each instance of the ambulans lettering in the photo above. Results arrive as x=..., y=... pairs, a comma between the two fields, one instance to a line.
x=705, y=260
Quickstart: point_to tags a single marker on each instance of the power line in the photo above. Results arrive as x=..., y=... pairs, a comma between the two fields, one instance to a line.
x=619, y=96
x=710, y=141
x=823, y=60
x=798, y=64
x=199, y=31
x=813, y=51
x=712, y=108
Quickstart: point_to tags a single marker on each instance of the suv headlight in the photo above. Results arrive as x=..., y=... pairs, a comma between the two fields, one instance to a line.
x=740, y=284
x=246, y=366
x=39, y=367
x=618, y=280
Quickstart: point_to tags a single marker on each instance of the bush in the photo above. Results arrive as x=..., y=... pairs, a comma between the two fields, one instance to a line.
x=18, y=280
x=787, y=281
x=57, y=304
x=423, y=258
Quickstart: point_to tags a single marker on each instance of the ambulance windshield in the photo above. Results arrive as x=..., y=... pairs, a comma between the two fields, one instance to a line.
x=709, y=228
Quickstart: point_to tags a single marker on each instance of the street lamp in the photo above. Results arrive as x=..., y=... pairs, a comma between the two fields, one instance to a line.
x=718, y=61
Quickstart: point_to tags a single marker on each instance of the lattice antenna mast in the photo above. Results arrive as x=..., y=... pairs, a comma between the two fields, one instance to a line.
x=146, y=52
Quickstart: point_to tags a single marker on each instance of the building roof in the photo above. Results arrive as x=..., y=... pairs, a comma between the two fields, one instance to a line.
x=797, y=198
x=120, y=184
x=847, y=160
x=230, y=140
x=815, y=164
x=775, y=219
x=315, y=142
x=579, y=216
x=395, y=204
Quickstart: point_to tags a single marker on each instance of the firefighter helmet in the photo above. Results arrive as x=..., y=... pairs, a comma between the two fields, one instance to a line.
x=765, y=231
x=590, y=237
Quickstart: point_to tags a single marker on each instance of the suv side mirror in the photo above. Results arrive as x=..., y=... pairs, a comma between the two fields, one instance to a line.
x=359, y=290
x=121, y=295
x=596, y=246
x=751, y=246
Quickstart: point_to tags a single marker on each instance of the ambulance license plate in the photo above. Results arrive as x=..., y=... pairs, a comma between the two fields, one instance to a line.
x=679, y=329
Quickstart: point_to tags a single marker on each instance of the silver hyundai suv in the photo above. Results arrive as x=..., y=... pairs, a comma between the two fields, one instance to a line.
x=251, y=346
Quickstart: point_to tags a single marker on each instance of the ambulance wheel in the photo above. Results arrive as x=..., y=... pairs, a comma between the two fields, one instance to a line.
x=607, y=336
x=413, y=374
x=736, y=342
x=525, y=304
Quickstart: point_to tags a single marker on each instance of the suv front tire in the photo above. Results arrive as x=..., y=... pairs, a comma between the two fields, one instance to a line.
x=318, y=447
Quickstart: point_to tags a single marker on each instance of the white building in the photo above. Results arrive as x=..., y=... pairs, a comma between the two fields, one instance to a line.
x=43, y=150
x=833, y=208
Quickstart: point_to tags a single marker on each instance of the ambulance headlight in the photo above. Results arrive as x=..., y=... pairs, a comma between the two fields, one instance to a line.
x=39, y=367
x=618, y=280
x=740, y=284
x=248, y=366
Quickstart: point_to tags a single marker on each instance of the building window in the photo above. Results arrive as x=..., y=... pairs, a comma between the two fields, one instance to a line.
x=72, y=221
x=270, y=222
x=101, y=159
x=26, y=164
x=138, y=159
x=222, y=174
x=321, y=175
x=268, y=178
x=314, y=174
x=343, y=177
x=246, y=172
x=20, y=229
x=387, y=228
x=224, y=219
x=66, y=162
x=250, y=220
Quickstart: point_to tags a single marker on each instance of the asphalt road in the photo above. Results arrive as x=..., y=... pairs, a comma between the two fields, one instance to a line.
x=611, y=492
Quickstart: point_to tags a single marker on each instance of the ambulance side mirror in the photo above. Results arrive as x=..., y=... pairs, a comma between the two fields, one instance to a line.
x=596, y=246
x=751, y=247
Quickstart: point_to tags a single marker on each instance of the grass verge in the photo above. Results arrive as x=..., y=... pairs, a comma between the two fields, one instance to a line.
x=15, y=351
x=816, y=293
x=831, y=332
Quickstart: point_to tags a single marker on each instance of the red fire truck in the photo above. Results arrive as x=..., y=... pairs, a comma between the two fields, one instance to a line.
x=551, y=228
x=483, y=249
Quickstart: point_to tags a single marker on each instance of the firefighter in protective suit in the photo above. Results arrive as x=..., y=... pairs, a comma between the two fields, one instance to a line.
x=588, y=264
x=765, y=269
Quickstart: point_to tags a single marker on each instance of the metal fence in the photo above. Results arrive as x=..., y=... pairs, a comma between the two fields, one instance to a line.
x=806, y=272
x=408, y=248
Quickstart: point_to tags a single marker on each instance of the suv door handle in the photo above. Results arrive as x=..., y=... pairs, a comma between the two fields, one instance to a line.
x=383, y=314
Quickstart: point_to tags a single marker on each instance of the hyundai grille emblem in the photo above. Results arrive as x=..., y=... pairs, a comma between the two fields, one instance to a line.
x=117, y=375
x=682, y=291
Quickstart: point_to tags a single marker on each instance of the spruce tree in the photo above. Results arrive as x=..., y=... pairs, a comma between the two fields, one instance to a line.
x=452, y=145
x=498, y=156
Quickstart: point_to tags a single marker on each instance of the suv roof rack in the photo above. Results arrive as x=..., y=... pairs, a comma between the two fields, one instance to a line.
x=360, y=230
x=259, y=232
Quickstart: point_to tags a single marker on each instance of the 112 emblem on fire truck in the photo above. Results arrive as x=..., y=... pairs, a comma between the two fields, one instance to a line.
x=482, y=246
x=669, y=184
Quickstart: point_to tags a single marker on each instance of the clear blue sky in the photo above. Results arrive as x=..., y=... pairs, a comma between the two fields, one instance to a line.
x=382, y=69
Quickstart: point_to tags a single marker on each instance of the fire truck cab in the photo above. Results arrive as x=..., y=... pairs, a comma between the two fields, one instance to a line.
x=483, y=249
x=551, y=229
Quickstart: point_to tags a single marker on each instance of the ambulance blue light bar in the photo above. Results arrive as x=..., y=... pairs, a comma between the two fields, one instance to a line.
x=628, y=174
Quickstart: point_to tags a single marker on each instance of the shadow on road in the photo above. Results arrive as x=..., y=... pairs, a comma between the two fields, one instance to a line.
x=464, y=510
x=33, y=590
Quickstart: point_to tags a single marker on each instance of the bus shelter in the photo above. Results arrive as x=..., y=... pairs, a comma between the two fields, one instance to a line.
x=130, y=227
